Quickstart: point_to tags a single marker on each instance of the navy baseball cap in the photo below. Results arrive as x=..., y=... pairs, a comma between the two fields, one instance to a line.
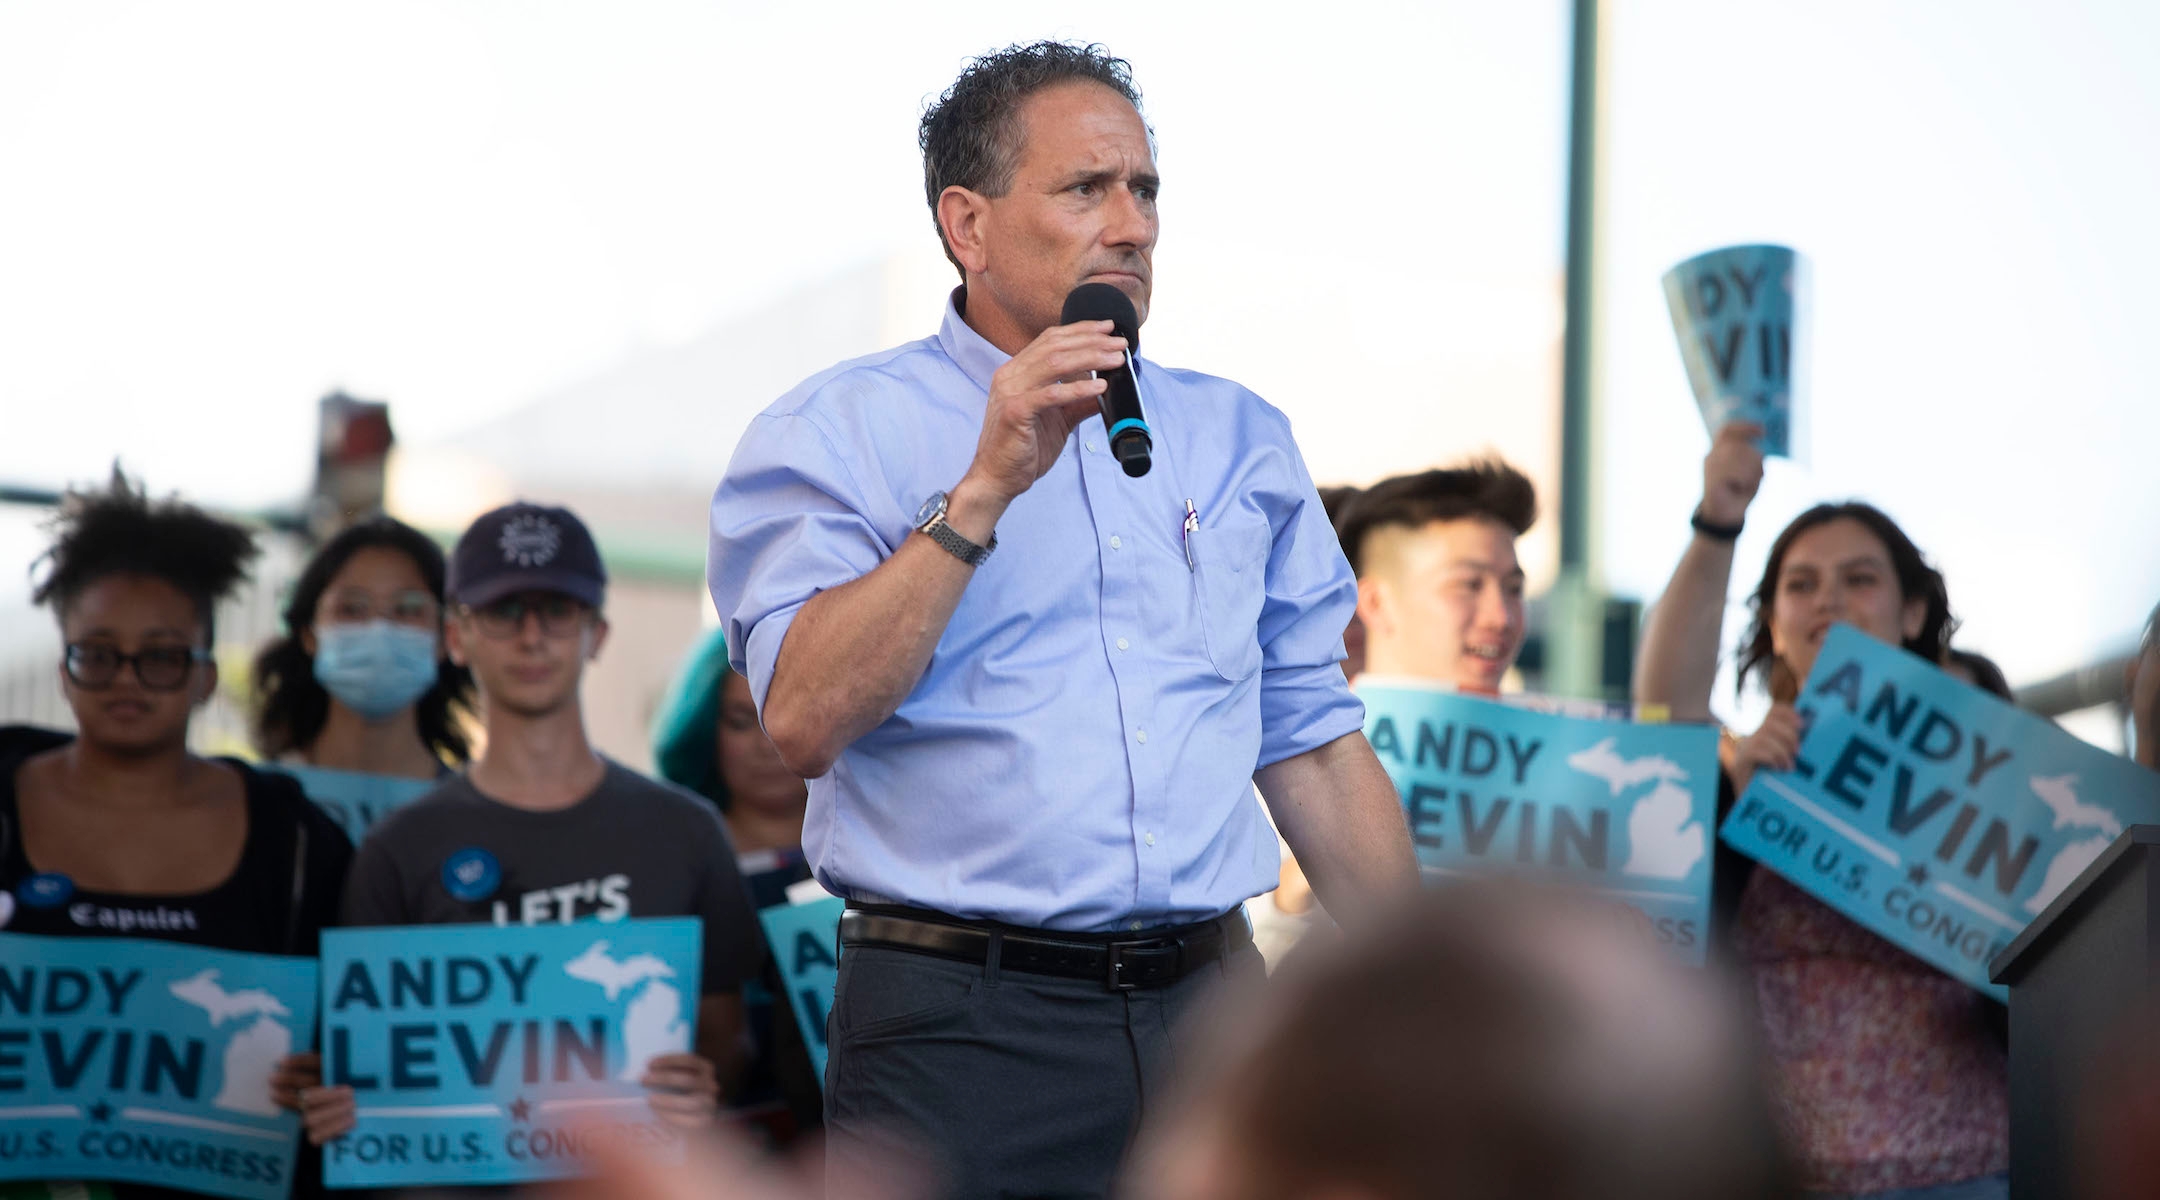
x=526, y=547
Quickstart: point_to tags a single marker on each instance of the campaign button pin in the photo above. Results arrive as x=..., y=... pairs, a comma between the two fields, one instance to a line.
x=471, y=874
x=46, y=889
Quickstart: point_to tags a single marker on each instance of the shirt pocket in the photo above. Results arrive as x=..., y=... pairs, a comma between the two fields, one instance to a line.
x=1230, y=574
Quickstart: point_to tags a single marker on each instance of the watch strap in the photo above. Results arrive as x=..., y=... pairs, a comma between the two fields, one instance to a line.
x=961, y=548
x=1713, y=530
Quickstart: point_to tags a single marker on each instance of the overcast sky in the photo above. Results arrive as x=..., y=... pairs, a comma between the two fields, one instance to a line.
x=216, y=212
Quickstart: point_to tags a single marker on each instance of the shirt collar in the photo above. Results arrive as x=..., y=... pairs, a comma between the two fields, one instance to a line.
x=969, y=350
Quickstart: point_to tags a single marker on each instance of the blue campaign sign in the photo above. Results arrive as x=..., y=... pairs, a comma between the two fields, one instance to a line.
x=490, y=1054
x=1929, y=811
x=1734, y=312
x=1618, y=807
x=355, y=799
x=149, y=1062
x=805, y=941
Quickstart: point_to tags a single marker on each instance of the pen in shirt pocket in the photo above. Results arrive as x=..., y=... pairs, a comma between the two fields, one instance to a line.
x=1192, y=526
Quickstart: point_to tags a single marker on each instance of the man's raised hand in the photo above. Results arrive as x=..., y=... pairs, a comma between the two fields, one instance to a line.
x=1036, y=400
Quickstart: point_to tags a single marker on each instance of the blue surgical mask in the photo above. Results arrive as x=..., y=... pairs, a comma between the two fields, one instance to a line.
x=377, y=669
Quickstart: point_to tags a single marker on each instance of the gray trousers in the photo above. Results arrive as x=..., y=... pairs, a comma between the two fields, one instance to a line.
x=998, y=1083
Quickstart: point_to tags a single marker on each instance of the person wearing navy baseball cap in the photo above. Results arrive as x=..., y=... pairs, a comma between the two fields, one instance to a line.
x=527, y=548
x=542, y=829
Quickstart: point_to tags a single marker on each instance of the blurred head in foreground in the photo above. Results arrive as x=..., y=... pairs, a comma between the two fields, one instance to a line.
x=1486, y=1041
x=1481, y=1041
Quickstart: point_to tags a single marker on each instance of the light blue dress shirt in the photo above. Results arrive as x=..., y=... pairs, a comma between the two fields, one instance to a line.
x=1079, y=753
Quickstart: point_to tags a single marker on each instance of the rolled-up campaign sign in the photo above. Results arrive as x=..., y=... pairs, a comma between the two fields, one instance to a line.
x=1737, y=315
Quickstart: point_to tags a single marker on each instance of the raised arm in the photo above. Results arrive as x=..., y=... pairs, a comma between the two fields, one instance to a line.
x=1678, y=661
x=855, y=651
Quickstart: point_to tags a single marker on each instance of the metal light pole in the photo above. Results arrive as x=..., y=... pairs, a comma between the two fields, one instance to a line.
x=1576, y=639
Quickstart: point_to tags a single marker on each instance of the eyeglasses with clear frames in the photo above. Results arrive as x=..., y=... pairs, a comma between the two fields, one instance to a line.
x=354, y=606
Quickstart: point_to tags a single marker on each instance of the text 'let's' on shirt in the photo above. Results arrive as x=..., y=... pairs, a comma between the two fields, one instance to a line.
x=632, y=847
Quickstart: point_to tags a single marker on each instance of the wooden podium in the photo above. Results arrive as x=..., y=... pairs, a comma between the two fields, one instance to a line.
x=2076, y=977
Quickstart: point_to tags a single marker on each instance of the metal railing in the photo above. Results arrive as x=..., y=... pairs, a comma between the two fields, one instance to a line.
x=2104, y=681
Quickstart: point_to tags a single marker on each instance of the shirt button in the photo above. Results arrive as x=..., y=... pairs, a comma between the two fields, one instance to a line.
x=1142, y=735
x=1122, y=644
x=1090, y=446
x=1116, y=543
x=1151, y=839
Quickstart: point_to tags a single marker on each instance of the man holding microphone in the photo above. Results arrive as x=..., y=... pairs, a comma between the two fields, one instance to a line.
x=1032, y=693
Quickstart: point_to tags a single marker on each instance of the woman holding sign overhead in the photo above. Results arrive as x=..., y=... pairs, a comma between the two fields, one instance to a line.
x=1891, y=1075
x=359, y=698
x=117, y=830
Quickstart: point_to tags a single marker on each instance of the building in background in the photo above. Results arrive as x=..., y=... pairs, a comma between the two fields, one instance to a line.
x=636, y=451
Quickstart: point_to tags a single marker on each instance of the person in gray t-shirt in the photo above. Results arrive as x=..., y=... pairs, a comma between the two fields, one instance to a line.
x=632, y=847
x=557, y=833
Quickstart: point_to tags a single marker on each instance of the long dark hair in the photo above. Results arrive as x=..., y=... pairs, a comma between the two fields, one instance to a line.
x=1916, y=579
x=291, y=705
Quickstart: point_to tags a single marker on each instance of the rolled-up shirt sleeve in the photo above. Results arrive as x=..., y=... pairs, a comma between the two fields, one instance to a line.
x=1305, y=702
x=787, y=523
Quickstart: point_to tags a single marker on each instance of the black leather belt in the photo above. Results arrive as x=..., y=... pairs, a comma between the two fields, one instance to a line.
x=1121, y=964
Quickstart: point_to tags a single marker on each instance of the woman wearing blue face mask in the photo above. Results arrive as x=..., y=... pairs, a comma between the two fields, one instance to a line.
x=358, y=696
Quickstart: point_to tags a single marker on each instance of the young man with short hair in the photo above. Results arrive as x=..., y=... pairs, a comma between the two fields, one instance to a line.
x=1440, y=591
x=542, y=829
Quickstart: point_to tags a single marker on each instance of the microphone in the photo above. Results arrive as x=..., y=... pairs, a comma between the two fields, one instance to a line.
x=1130, y=439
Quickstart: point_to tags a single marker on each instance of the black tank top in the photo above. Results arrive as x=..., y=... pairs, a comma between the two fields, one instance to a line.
x=277, y=900
x=261, y=907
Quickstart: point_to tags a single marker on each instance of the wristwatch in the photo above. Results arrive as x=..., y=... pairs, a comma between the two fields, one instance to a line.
x=930, y=520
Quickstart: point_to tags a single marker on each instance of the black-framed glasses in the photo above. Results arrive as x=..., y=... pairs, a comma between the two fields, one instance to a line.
x=559, y=616
x=95, y=665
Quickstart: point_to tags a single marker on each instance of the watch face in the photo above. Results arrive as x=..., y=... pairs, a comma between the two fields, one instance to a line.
x=930, y=508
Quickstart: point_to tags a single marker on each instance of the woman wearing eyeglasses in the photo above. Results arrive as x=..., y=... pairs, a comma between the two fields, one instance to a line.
x=118, y=828
x=358, y=698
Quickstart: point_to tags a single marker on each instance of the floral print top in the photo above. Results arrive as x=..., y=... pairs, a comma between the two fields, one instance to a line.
x=1888, y=1075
